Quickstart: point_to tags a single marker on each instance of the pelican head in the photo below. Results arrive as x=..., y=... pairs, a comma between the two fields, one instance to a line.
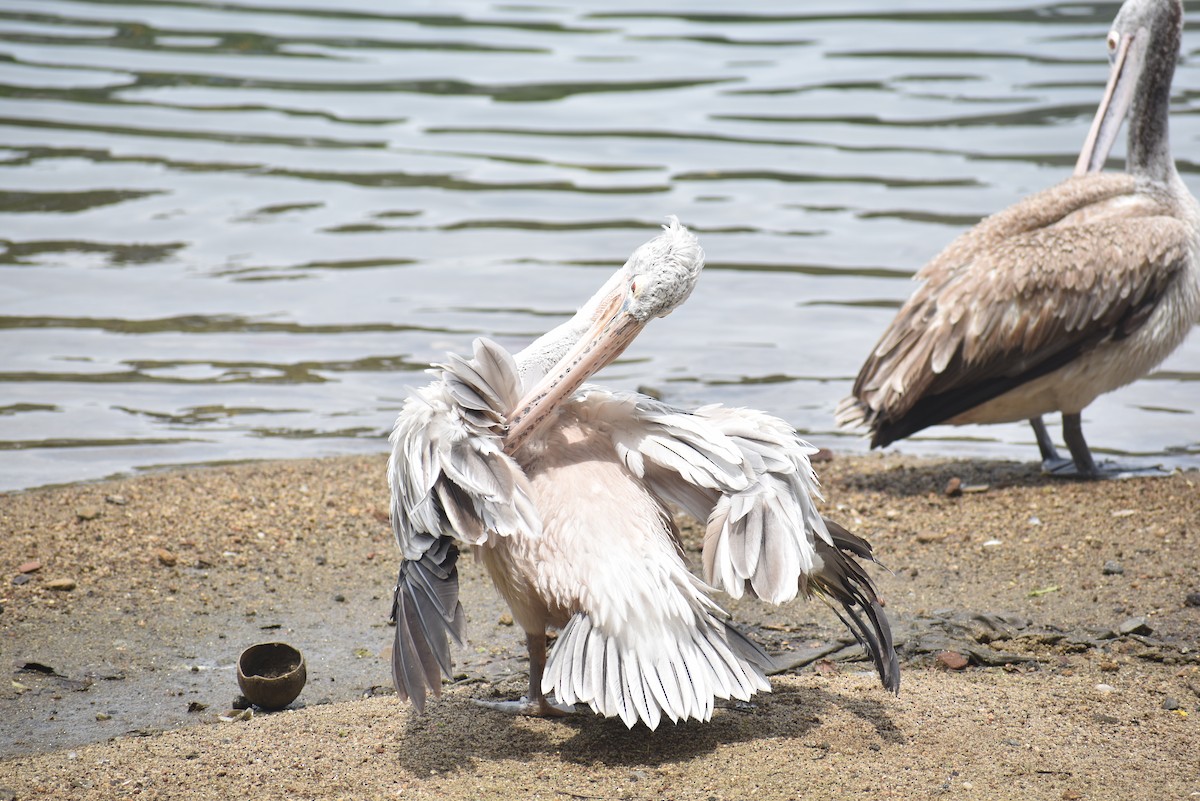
x=662, y=273
x=1143, y=46
x=657, y=278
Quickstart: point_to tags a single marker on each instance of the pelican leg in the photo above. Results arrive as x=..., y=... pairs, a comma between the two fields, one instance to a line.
x=1052, y=463
x=536, y=644
x=1084, y=466
x=535, y=704
x=1081, y=454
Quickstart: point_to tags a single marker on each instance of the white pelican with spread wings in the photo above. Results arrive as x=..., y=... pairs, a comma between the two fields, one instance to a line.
x=563, y=489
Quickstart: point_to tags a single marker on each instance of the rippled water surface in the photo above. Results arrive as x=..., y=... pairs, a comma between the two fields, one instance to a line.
x=241, y=230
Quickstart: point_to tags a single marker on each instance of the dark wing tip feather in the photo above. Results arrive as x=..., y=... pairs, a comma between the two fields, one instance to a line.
x=845, y=540
x=427, y=613
x=749, y=650
x=842, y=579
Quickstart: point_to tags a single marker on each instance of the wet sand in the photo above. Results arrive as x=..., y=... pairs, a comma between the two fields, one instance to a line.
x=1073, y=606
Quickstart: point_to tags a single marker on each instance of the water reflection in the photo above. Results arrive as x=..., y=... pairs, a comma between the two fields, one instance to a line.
x=241, y=231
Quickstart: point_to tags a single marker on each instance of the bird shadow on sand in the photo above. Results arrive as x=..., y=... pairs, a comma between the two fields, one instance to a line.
x=456, y=735
x=908, y=480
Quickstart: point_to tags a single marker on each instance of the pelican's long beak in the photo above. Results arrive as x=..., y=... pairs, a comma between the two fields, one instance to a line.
x=1127, y=65
x=612, y=329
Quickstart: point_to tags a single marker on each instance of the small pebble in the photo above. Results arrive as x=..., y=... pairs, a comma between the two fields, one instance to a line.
x=1109, y=666
x=21, y=578
x=1192, y=599
x=32, y=566
x=341, y=599
x=103, y=716
x=1135, y=625
x=196, y=706
x=1113, y=568
x=166, y=557
x=61, y=585
x=505, y=619
x=826, y=668
x=952, y=660
x=954, y=487
x=1170, y=704
x=927, y=537
x=87, y=512
x=115, y=500
x=1105, y=689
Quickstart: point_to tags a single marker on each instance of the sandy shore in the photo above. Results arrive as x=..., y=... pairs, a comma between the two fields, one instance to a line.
x=1073, y=606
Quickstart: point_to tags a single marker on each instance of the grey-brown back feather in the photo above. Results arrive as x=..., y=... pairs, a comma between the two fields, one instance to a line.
x=1019, y=295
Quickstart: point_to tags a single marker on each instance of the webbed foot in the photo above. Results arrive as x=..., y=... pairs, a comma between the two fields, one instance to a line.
x=538, y=708
x=1065, y=468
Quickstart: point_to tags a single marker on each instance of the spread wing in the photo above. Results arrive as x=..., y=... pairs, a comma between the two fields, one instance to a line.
x=747, y=476
x=1015, y=298
x=451, y=484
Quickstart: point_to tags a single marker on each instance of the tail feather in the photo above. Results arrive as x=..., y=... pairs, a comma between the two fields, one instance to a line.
x=427, y=613
x=842, y=579
x=853, y=413
x=713, y=661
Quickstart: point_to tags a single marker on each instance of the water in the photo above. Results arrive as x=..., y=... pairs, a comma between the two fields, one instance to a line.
x=240, y=231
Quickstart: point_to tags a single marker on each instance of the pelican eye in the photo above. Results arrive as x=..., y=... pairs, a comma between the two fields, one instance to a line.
x=1113, y=40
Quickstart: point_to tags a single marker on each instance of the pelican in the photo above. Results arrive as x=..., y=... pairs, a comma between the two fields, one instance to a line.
x=1068, y=294
x=561, y=490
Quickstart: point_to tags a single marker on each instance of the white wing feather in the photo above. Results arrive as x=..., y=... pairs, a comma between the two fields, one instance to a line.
x=451, y=483
x=743, y=472
x=448, y=471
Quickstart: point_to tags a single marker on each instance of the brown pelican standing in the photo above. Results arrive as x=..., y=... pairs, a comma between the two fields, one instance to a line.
x=561, y=490
x=1070, y=293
